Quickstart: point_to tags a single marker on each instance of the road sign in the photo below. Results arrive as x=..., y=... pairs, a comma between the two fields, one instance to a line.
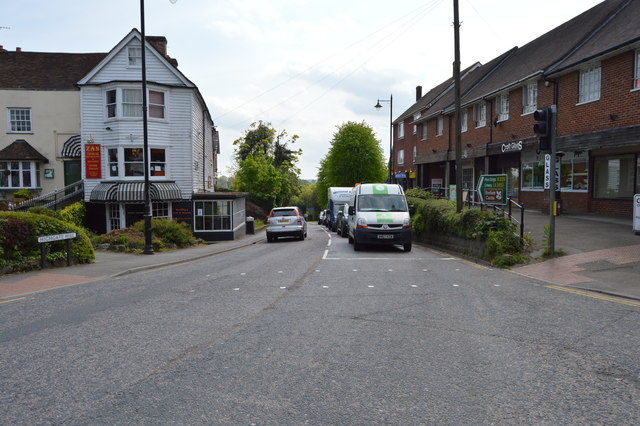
x=492, y=189
x=636, y=214
x=57, y=237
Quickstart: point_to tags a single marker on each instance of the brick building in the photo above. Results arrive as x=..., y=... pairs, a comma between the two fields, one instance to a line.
x=589, y=67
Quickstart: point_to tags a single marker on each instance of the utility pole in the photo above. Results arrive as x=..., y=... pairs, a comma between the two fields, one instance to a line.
x=458, y=127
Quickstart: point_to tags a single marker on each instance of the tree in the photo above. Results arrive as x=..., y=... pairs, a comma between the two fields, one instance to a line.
x=266, y=166
x=355, y=156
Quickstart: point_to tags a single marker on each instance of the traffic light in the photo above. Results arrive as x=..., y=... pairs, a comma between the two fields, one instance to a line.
x=542, y=128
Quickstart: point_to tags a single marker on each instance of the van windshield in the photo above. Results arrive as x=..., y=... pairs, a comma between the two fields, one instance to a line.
x=382, y=203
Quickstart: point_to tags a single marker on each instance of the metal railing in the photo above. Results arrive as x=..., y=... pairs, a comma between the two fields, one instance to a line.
x=53, y=200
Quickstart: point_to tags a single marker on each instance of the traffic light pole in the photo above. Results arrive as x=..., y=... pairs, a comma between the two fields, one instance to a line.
x=554, y=182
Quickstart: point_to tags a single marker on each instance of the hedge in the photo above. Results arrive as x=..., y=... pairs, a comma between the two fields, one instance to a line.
x=503, y=246
x=19, y=247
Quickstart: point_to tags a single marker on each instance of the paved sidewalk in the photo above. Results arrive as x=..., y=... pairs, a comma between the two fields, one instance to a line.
x=601, y=253
x=111, y=264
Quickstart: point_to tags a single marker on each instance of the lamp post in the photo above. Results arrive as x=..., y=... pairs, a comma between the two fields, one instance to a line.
x=378, y=106
x=148, y=246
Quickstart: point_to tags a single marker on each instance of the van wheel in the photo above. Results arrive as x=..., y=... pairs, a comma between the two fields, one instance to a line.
x=407, y=247
x=356, y=245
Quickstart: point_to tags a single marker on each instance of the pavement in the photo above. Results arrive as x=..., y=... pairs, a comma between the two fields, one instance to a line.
x=599, y=254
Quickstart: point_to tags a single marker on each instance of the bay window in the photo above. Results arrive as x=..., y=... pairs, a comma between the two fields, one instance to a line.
x=129, y=162
x=19, y=174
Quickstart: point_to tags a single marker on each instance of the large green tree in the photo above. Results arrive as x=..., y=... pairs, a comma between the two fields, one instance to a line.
x=355, y=156
x=266, y=166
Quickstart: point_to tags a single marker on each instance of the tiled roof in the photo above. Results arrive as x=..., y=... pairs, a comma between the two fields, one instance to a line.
x=534, y=57
x=21, y=150
x=620, y=29
x=45, y=71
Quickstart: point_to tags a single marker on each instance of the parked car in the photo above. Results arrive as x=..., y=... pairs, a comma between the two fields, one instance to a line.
x=327, y=217
x=285, y=222
x=321, y=217
x=342, y=221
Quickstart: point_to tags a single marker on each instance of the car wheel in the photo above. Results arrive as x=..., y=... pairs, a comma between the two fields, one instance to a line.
x=269, y=239
x=350, y=239
x=407, y=247
x=302, y=236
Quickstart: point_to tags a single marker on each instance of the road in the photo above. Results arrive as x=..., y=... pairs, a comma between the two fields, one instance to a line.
x=297, y=332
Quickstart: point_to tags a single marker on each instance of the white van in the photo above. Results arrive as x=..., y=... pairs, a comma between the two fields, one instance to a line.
x=379, y=214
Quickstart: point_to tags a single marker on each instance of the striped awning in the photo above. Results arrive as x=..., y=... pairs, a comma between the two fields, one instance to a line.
x=72, y=147
x=133, y=192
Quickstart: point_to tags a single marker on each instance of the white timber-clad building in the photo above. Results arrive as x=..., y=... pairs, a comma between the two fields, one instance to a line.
x=182, y=140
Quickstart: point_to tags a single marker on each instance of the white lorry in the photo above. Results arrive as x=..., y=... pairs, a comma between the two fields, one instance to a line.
x=338, y=196
x=379, y=214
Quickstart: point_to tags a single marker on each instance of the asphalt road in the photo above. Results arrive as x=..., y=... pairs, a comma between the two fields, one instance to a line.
x=297, y=332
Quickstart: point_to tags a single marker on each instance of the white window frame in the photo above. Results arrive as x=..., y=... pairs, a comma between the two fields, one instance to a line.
x=529, y=98
x=590, y=84
x=464, y=119
x=213, y=210
x=134, y=55
x=414, y=154
x=20, y=120
x=636, y=75
x=400, y=157
x=480, y=114
x=416, y=117
x=439, y=125
x=121, y=169
x=502, y=107
x=401, y=130
x=22, y=174
x=127, y=104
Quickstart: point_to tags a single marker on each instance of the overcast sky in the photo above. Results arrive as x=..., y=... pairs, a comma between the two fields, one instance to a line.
x=304, y=66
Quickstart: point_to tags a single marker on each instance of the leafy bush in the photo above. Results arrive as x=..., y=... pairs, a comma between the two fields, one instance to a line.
x=423, y=194
x=127, y=240
x=168, y=231
x=74, y=213
x=19, y=232
x=46, y=211
x=22, y=193
x=437, y=216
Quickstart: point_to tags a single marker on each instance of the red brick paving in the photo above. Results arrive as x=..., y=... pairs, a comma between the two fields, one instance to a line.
x=40, y=282
x=566, y=269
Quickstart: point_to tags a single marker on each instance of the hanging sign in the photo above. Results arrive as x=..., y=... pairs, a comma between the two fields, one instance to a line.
x=92, y=164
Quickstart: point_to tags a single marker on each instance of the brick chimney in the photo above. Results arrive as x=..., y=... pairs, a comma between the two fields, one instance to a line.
x=18, y=49
x=159, y=42
x=418, y=92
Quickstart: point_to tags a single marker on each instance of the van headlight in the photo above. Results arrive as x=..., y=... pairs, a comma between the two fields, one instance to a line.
x=406, y=223
x=362, y=223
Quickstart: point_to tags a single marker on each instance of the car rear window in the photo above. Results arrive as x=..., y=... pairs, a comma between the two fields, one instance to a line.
x=284, y=212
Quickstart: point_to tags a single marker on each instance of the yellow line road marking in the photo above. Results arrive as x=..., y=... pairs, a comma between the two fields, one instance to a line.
x=12, y=300
x=595, y=296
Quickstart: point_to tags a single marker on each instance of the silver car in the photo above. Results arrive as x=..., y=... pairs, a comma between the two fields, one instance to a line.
x=286, y=222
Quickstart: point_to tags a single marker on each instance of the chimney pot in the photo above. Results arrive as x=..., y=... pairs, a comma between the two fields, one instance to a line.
x=18, y=49
x=418, y=92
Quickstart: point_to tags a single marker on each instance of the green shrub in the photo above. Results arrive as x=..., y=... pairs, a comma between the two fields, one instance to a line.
x=74, y=213
x=22, y=193
x=128, y=240
x=19, y=232
x=504, y=248
x=46, y=211
x=423, y=194
x=168, y=231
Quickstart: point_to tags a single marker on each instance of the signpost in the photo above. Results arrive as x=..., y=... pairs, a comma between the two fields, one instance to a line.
x=636, y=214
x=56, y=237
x=492, y=189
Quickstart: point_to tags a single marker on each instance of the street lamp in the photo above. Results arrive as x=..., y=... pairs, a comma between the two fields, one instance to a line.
x=148, y=246
x=378, y=106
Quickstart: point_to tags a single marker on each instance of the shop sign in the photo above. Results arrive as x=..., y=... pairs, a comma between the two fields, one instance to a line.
x=92, y=164
x=547, y=172
x=492, y=189
x=511, y=146
x=400, y=175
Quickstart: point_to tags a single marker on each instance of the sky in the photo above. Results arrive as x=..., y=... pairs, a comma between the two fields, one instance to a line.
x=304, y=66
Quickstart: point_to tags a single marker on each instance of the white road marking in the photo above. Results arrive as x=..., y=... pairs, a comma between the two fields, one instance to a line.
x=456, y=285
x=236, y=289
x=283, y=288
x=326, y=252
x=371, y=286
x=325, y=286
x=243, y=273
x=413, y=285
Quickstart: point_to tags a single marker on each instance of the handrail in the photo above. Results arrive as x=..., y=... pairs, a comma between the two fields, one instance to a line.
x=51, y=199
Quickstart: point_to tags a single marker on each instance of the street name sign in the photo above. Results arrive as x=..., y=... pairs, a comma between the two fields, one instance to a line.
x=56, y=237
x=492, y=189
